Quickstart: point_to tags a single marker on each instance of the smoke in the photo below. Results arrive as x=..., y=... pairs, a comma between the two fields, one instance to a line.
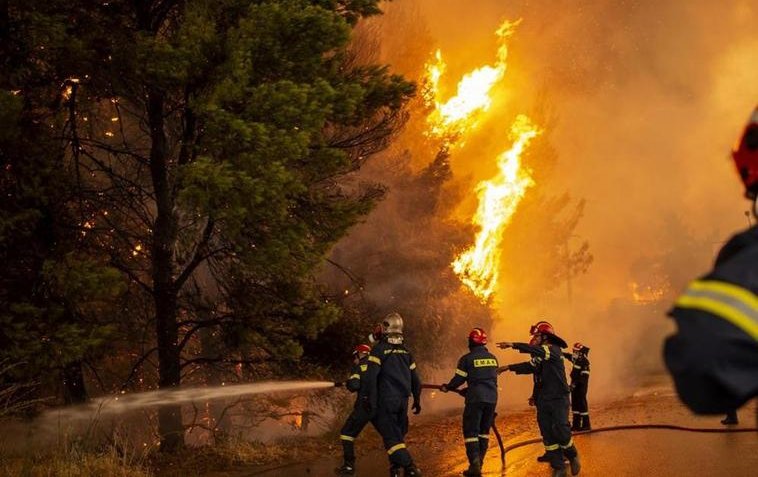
x=641, y=102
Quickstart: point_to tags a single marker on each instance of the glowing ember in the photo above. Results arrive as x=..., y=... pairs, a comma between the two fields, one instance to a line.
x=650, y=293
x=452, y=118
x=478, y=266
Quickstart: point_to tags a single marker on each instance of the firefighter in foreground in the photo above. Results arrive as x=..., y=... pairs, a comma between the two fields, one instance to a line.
x=478, y=368
x=713, y=357
x=553, y=399
x=580, y=379
x=358, y=417
x=391, y=378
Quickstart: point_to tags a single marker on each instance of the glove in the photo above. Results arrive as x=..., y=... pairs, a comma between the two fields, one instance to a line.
x=531, y=401
x=339, y=384
x=505, y=345
x=416, y=407
x=444, y=388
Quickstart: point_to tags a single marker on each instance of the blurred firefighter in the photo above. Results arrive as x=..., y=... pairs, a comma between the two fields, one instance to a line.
x=478, y=368
x=552, y=399
x=713, y=357
x=358, y=417
x=390, y=379
x=580, y=380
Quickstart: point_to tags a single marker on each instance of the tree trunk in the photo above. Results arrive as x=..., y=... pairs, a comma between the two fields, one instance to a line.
x=217, y=408
x=74, y=391
x=170, y=425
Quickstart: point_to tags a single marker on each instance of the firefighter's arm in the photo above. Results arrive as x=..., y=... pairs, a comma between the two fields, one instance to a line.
x=542, y=351
x=460, y=377
x=415, y=382
x=527, y=367
x=714, y=354
x=712, y=361
x=568, y=356
x=353, y=383
x=584, y=371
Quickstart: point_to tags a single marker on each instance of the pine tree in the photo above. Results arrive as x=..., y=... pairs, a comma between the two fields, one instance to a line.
x=207, y=140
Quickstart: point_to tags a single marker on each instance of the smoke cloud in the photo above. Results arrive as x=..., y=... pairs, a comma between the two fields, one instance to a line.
x=641, y=102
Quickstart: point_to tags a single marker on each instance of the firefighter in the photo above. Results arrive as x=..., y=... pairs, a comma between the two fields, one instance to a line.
x=479, y=369
x=533, y=367
x=359, y=417
x=580, y=379
x=553, y=399
x=713, y=357
x=391, y=378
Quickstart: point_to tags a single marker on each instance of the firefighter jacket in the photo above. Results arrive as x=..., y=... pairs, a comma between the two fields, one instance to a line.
x=478, y=368
x=391, y=374
x=580, y=367
x=547, y=365
x=713, y=357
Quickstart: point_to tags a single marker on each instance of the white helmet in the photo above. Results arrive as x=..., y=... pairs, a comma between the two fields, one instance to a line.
x=393, y=324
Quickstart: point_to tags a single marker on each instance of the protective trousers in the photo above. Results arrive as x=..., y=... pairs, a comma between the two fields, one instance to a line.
x=391, y=421
x=579, y=407
x=552, y=416
x=353, y=426
x=477, y=420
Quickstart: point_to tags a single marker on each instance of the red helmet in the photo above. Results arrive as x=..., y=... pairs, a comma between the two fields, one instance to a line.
x=545, y=328
x=541, y=327
x=745, y=156
x=580, y=348
x=361, y=348
x=478, y=336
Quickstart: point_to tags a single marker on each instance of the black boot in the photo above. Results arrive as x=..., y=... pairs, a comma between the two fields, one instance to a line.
x=347, y=468
x=730, y=419
x=560, y=472
x=586, y=423
x=474, y=469
x=543, y=458
x=576, y=424
x=576, y=466
x=412, y=471
x=395, y=471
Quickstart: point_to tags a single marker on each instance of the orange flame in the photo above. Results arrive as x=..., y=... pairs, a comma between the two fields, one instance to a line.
x=478, y=266
x=453, y=118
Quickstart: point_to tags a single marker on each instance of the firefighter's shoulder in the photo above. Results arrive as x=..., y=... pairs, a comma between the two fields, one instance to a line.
x=737, y=244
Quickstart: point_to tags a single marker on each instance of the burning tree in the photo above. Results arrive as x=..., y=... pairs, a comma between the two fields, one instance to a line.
x=206, y=141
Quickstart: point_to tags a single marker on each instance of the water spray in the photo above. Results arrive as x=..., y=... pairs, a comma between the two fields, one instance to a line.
x=122, y=403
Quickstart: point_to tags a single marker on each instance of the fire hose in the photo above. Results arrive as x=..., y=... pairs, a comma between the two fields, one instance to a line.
x=626, y=427
x=505, y=449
